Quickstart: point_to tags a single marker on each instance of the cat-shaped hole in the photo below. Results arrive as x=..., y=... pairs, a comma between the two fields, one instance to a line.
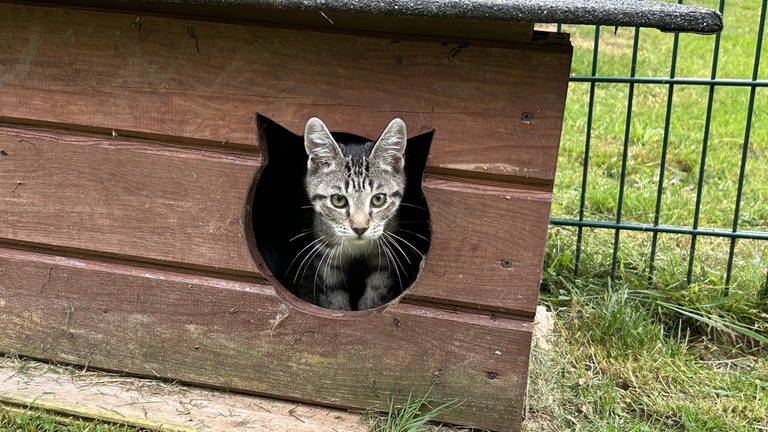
x=341, y=220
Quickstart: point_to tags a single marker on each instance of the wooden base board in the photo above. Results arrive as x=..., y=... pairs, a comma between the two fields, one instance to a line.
x=173, y=407
x=159, y=405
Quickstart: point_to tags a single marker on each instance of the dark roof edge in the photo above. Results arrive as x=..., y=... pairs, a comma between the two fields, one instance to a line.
x=625, y=13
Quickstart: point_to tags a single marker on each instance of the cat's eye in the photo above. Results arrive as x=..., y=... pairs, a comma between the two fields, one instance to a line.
x=338, y=200
x=378, y=200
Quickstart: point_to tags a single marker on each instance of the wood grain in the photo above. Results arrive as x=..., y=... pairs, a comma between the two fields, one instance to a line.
x=99, y=69
x=131, y=252
x=243, y=337
x=143, y=201
x=487, y=246
x=153, y=405
x=128, y=198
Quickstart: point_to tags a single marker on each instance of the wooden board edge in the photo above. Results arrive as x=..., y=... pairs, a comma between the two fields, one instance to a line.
x=123, y=324
x=158, y=405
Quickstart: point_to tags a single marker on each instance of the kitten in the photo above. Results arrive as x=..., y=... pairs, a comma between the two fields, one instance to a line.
x=355, y=190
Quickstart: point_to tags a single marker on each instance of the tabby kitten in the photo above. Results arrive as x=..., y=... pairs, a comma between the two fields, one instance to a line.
x=355, y=190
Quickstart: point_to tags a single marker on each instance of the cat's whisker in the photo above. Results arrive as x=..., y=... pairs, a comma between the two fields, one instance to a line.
x=339, y=251
x=304, y=266
x=391, y=241
x=331, y=253
x=309, y=245
x=314, y=280
x=388, y=243
x=391, y=258
x=410, y=222
x=326, y=253
x=414, y=233
x=305, y=263
x=405, y=255
x=378, y=254
x=345, y=245
x=406, y=242
x=412, y=205
x=302, y=234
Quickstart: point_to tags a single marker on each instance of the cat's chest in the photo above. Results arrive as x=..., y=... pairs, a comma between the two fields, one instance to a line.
x=350, y=265
x=358, y=250
x=355, y=254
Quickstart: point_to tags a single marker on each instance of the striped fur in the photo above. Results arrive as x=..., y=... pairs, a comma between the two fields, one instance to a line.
x=354, y=259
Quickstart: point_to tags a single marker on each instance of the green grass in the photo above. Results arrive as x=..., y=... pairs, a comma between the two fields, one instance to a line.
x=640, y=354
x=413, y=415
x=746, y=303
x=614, y=367
x=684, y=146
x=14, y=419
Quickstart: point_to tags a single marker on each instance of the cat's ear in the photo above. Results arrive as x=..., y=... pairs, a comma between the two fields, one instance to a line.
x=390, y=148
x=321, y=148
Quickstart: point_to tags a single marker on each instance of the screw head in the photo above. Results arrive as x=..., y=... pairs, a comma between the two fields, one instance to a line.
x=527, y=117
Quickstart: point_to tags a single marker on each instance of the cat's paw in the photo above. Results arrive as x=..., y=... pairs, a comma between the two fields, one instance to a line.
x=370, y=300
x=336, y=299
x=378, y=287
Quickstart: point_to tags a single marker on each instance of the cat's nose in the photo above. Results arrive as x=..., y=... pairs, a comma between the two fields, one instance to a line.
x=359, y=222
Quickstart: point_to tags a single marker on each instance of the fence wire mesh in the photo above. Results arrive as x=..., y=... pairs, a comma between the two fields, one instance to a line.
x=594, y=87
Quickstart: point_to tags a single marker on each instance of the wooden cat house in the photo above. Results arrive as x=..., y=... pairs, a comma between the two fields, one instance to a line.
x=130, y=153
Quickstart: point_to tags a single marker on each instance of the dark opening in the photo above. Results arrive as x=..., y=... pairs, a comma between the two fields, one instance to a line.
x=282, y=213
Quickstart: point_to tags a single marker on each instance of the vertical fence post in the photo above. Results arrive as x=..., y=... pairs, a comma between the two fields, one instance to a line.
x=704, y=148
x=587, y=142
x=624, y=154
x=663, y=162
x=745, y=146
x=764, y=294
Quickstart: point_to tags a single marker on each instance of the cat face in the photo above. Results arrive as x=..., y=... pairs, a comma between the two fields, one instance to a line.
x=355, y=188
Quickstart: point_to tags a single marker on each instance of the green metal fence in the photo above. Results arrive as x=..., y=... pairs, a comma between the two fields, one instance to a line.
x=619, y=224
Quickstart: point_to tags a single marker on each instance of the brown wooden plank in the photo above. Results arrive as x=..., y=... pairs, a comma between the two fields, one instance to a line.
x=157, y=405
x=241, y=336
x=100, y=69
x=487, y=246
x=128, y=198
x=176, y=206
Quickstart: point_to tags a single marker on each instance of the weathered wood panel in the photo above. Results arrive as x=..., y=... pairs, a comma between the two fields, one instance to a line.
x=132, y=252
x=487, y=246
x=180, y=206
x=129, y=198
x=155, y=405
x=205, y=80
x=241, y=336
